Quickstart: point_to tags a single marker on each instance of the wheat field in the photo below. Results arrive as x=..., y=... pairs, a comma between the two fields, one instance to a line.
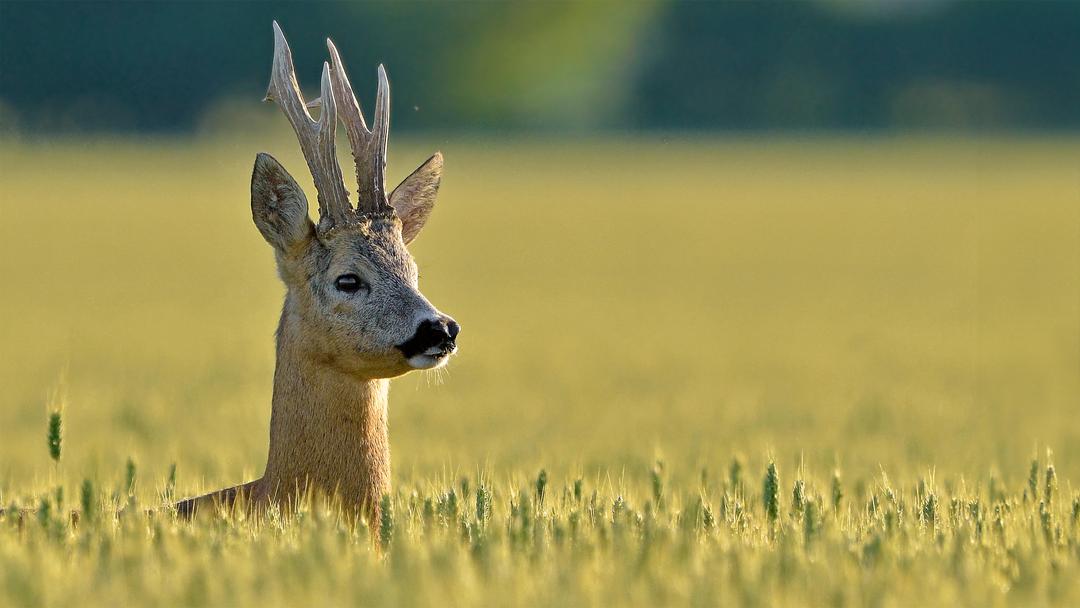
x=763, y=371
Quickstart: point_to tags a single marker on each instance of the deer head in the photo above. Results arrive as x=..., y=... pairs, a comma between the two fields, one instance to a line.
x=352, y=300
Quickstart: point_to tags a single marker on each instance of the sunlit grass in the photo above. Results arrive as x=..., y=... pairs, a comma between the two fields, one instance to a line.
x=907, y=308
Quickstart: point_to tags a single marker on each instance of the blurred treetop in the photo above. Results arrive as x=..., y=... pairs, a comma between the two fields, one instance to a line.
x=540, y=66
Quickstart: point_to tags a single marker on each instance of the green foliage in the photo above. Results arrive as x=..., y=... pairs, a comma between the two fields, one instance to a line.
x=550, y=65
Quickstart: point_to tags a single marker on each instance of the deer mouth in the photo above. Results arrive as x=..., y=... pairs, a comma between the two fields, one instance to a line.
x=433, y=357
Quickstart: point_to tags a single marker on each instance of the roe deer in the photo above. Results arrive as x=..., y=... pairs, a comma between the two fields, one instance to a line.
x=353, y=315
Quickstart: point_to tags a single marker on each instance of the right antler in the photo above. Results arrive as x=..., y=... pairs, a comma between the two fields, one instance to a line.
x=368, y=146
x=316, y=137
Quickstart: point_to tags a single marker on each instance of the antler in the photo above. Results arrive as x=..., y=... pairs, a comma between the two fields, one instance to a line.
x=316, y=137
x=368, y=146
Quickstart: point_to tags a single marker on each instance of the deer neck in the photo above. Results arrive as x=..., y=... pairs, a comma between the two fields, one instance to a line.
x=327, y=428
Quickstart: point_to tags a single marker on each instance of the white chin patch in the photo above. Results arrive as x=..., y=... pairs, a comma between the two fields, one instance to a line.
x=428, y=361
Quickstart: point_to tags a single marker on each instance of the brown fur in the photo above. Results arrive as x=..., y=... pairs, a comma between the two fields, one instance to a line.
x=336, y=350
x=328, y=429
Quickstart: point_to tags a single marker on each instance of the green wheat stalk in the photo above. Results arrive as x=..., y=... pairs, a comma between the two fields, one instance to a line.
x=770, y=492
x=1033, y=480
x=88, y=500
x=798, y=496
x=541, y=487
x=386, y=521
x=55, y=434
x=837, y=490
x=1051, y=484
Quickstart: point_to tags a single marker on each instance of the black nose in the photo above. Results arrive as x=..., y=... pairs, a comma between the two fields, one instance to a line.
x=432, y=334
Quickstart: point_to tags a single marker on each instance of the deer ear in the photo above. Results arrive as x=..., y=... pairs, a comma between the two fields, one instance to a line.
x=414, y=198
x=278, y=205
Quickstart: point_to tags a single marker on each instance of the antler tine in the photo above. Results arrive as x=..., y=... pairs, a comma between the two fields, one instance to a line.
x=316, y=137
x=380, y=134
x=368, y=145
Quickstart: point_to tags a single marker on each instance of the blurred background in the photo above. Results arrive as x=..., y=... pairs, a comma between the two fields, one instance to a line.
x=656, y=65
x=841, y=233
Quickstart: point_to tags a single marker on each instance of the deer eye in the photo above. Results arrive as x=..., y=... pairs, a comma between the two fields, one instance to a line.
x=350, y=283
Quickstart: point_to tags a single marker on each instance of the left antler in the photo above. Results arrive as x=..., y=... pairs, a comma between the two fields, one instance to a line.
x=316, y=137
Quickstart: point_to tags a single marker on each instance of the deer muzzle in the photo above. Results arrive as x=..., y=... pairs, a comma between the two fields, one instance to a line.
x=433, y=342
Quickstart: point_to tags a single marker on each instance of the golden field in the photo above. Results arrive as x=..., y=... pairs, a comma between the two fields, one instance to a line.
x=900, y=306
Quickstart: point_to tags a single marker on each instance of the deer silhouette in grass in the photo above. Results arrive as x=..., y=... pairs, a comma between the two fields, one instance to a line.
x=353, y=315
